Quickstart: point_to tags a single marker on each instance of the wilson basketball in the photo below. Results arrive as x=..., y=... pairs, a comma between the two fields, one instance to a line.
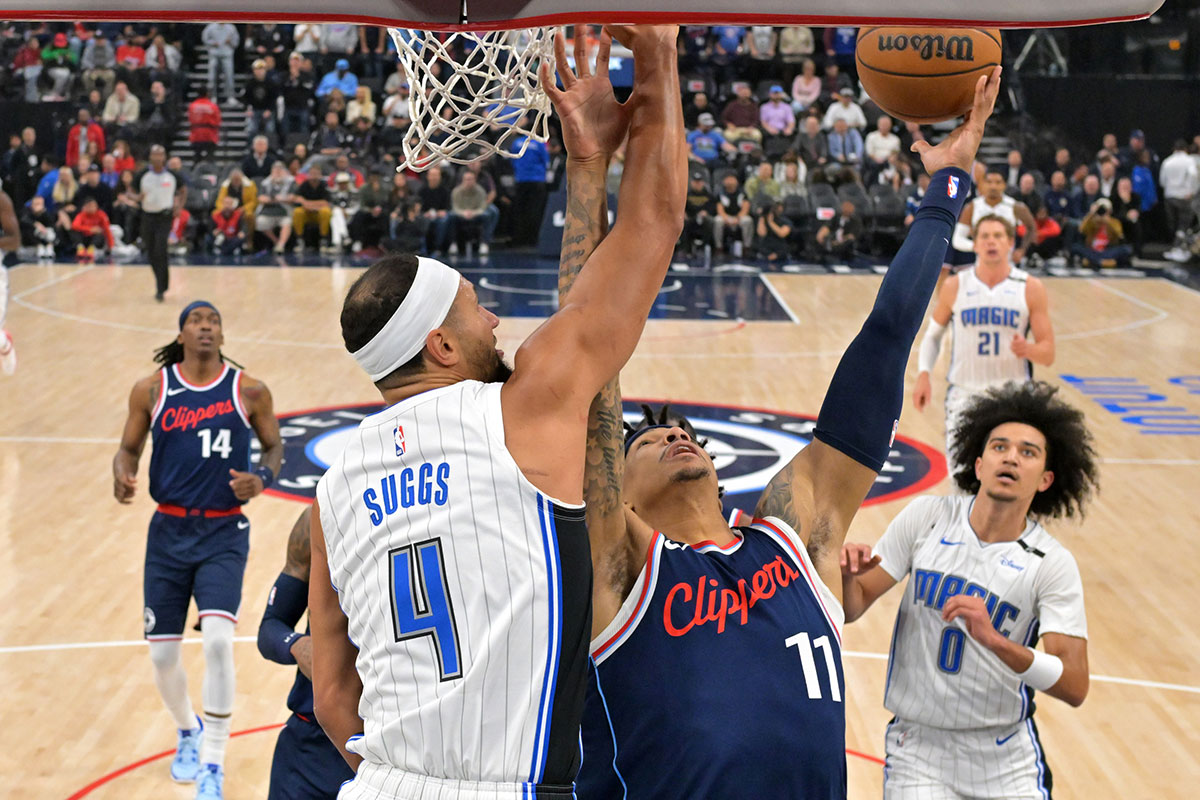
x=925, y=74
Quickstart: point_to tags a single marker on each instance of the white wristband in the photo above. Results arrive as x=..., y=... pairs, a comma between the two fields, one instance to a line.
x=931, y=346
x=1044, y=672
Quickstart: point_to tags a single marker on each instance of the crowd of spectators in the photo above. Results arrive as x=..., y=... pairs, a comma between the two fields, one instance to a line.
x=789, y=158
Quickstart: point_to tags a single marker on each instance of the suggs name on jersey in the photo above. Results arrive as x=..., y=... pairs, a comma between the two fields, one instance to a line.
x=420, y=487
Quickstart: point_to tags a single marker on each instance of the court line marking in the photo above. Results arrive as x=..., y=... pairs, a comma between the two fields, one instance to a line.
x=779, y=298
x=1159, y=316
x=1157, y=462
x=60, y=646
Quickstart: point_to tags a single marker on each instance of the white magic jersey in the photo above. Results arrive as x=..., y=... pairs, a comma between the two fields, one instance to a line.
x=983, y=321
x=468, y=595
x=1006, y=209
x=937, y=674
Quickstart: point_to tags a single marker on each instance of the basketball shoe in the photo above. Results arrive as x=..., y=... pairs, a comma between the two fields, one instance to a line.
x=210, y=784
x=8, y=353
x=186, y=764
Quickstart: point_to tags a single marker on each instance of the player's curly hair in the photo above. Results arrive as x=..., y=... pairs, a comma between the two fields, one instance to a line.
x=666, y=416
x=1069, y=452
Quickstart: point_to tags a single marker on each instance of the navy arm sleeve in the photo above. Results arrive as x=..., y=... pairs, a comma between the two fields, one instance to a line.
x=277, y=631
x=862, y=405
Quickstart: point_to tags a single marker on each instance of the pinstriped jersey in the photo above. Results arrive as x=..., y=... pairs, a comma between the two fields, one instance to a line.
x=1005, y=209
x=720, y=677
x=937, y=674
x=467, y=591
x=199, y=433
x=984, y=320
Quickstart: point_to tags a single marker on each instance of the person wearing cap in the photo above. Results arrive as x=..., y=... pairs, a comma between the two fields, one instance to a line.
x=776, y=115
x=1103, y=238
x=698, y=212
x=90, y=186
x=98, y=64
x=260, y=96
x=707, y=144
x=59, y=61
x=81, y=133
x=221, y=39
x=202, y=414
x=343, y=205
x=1130, y=155
x=845, y=108
x=340, y=77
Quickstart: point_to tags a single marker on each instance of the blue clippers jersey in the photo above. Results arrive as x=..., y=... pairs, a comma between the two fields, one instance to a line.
x=721, y=677
x=200, y=433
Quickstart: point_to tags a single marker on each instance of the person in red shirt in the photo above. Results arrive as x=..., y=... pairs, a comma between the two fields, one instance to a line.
x=123, y=158
x=205, y=119
x=90, y=230
x=81, y=134
x=131, y=62
x=228, y=234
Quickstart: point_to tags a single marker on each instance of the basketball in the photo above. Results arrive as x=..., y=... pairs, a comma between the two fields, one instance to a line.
x=925, y=74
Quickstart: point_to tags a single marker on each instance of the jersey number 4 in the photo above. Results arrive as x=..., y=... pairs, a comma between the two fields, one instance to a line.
x=421, y=602
x=210, y=444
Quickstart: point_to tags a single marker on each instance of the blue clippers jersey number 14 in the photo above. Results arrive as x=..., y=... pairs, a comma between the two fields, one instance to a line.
x=199, y=434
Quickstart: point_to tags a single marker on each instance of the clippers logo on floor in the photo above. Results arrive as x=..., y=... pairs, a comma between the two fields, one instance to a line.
x=748, y=447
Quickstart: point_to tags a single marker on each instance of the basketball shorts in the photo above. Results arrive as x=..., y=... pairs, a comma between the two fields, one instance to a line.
x=190, y=557
x=379, y=782
x=957, y=259
x=306, y=765
x=926, y=763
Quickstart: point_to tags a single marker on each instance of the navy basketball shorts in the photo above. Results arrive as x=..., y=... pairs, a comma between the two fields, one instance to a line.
x=190, y=557
x=306, y=765
x=958, y=259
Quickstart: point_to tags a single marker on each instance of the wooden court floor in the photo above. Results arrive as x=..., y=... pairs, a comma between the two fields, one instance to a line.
x=78, y=697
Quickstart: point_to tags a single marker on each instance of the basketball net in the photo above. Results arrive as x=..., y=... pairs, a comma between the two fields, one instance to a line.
x=466, y=84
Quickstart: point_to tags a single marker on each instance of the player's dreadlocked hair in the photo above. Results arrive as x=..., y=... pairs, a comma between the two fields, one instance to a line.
x=1069, y=453
x=173, y=354
x=666, y=416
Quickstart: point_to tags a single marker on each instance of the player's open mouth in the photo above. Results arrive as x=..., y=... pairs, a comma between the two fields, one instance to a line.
x=682, y=448
x=1011, y=477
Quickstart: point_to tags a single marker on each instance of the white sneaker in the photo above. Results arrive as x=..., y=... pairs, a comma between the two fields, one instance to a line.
x=1178, y=255
x=453, y=249
x=483, y=248
x=8, y=354
x=356, y=247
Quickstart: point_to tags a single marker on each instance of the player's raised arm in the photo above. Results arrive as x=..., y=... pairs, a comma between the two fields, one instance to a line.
x=819, y=492
x=133, y=438
x=581, y=347
x=336, y=685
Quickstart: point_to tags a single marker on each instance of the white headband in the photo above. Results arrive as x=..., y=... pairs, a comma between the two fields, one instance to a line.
x=425, y=308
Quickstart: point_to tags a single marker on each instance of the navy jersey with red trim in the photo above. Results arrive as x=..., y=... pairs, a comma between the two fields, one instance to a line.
x=720, y=677
x=199, y=434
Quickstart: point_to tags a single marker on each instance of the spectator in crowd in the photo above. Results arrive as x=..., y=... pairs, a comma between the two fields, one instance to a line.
x=392, y=136
x=341, y=78
x=343, y=205
x=307, y=38
x=177, y=234
x=699, y=208
x=697, y=105
x=1143, y=181
x=1049, y=237
x=126, y=208
x=339, y=40
x=38, y=227
x=362, y=106
x=244, y=193
x=845, y=151
x=25, y=167
x=122, y=111
x=221, y=39
x=342, y=164
x=434, y=200
x=833, y=83
x=774, y=234
x=762, y=188
x=59, y=62
x=726, y=52
x=131, y=60
x=27, y=65
x=529, y=174
x=229, y=234
x=695, y=50
x=267, y=39
x=811, y=145
x=369, y=226
x=840, y=238
x=1132, y=154
x=259, y=161
x=330, y=138
x=739, y=118
x=1127, y=209
x=49, y=167
x=362, y=140
x=707, y=144
x=91, y=188
x=373, y=44
x=98, y=64
x=80, y=134
x=312, y=211
x=913, y=201
x=795, y=47
x=122, y=157
x=1086, y=196
x=160, y=115
x=468, y=203
x=1012, y=170
x=792, y=183
x=90, y=231
x=733, y=217
x=844, y=108
x=1027, y=193
x=260, y=96
x=491, y=213
x=399, y=77
x=1180, y=179
x=879, y=148
x=1102, y=236
x=396, y=104
x=806, y=88
x=204, y=117
x=1062, y=162
x=839, y=47
x=897, y=173
x=1057, y=197
x=163, y=62
x=1108, y=176
x=94, y=103
x=274, y=214
x=110, y=176
x=298, y=90
x=778, y=122
x=761, y=46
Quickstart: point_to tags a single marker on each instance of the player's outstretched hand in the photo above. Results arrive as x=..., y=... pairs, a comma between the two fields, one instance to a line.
x=857, y=559
x=922, y=391
x=245, y=484
x=974, y=614
x=642, y=38
x=959, y=148
x=593, y=123
x=124, y=487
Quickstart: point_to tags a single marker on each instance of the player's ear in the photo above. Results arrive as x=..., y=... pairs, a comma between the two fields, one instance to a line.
x=442, y=346
x=978, y=464
x=1046, y=481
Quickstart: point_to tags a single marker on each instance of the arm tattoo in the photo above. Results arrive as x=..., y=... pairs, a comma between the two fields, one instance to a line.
x=299, y=548
x=586, y=224
x=778, y=500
